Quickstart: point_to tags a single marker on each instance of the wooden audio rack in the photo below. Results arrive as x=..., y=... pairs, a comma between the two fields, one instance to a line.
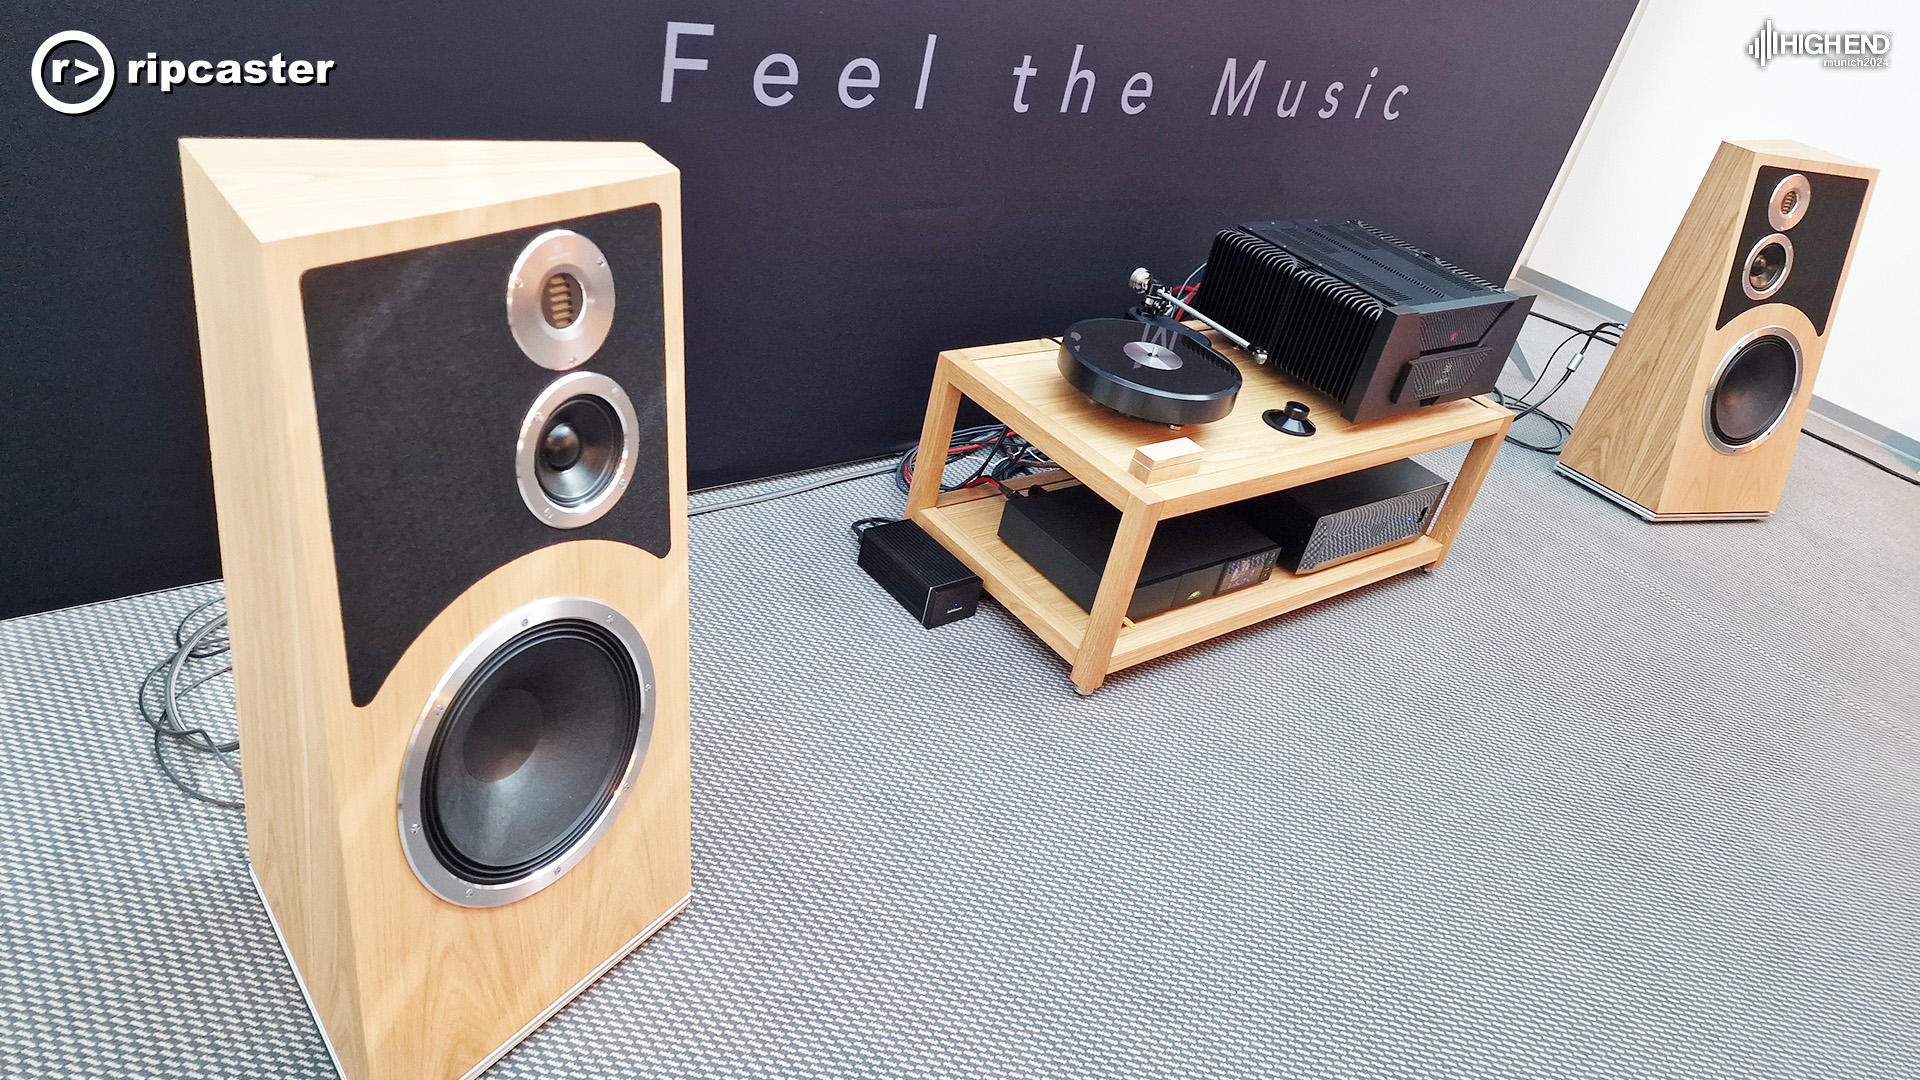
x=1020, y=384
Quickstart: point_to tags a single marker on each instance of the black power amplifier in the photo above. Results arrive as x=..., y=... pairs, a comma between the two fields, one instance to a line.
x=1066, y=533
x=1344, y=517
x=1367, y=319
x=927, y=580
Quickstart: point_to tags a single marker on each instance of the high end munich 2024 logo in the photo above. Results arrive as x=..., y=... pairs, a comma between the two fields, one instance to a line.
x=60, y=73
x=1849, y=49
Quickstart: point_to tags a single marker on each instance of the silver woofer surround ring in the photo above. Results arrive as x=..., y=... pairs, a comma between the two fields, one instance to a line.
x=589, y=308
x=1779, y=279
x=551, y=508
x=427, y=865
x=1714, y=437
x=1788, y=203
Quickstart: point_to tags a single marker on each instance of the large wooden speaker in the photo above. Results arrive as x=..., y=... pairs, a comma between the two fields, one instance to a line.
x=444, y=393
x=1698, y=411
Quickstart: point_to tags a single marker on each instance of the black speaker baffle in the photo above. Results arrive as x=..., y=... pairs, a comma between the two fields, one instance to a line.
x=1145, y=371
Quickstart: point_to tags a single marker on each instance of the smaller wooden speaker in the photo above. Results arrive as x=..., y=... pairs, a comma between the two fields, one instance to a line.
x=1698, y=412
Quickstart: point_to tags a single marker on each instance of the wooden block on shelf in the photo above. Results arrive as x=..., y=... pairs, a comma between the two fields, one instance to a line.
x=1168, y=460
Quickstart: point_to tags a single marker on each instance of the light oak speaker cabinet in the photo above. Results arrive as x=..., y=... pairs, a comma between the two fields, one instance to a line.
x=444, y=394
x=1698, y=411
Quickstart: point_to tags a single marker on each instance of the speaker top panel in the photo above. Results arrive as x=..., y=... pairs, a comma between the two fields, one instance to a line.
x=286, y=188
x=1793, y=243
x=422, y=392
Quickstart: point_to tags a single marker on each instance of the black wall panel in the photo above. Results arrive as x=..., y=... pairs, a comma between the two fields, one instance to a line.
x=830, y=251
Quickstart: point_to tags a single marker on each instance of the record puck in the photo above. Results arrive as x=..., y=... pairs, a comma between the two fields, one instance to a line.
x=1148, y=372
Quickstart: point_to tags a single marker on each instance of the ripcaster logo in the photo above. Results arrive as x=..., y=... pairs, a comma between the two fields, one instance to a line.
x=71, y=70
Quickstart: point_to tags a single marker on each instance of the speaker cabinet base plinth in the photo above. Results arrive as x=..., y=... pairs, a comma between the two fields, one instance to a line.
x=306, y=994
x=519, y=1037
x=1648, y=515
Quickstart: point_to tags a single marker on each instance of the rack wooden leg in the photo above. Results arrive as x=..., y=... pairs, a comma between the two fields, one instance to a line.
x=1117, y=583
x=936, y=434
x=1466, y=487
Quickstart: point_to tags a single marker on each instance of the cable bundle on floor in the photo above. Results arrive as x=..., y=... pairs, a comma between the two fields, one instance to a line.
x=201, y=654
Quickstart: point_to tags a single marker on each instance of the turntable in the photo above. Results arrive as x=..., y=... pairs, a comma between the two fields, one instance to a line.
x=1148, y=371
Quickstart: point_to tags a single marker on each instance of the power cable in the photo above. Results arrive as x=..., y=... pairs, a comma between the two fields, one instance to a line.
x=1606, y=333
x=1003, y=455
x=201, y=654
x=749, y=500
x=1851, y=452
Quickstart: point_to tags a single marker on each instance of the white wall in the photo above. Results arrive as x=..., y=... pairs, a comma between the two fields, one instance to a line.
x=1685, y=83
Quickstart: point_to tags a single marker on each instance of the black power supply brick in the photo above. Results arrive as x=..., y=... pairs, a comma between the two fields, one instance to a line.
x=928, y=581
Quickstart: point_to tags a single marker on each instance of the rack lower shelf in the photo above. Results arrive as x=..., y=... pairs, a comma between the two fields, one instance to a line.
x=969, y=527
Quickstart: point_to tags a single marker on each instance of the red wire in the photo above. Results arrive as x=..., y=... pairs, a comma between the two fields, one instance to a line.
x=906, y=468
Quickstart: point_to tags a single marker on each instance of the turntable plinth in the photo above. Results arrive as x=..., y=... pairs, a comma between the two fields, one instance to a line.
x=1020, y=384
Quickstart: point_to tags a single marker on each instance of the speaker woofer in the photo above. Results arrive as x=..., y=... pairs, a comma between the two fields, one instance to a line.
x=560, y=299
x=526, y=752
x=1753, y=389
x=576, y=449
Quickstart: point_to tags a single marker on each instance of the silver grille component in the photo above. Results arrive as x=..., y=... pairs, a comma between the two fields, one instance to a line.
x=1367, y=529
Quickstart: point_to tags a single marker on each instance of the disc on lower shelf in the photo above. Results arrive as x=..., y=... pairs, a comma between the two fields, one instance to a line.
x=1147, y=372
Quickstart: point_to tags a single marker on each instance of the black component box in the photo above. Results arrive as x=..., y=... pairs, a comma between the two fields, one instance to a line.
x=929, y=582
x=1066, y=533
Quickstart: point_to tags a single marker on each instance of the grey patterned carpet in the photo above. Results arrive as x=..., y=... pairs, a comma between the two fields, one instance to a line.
x=1598, y=800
